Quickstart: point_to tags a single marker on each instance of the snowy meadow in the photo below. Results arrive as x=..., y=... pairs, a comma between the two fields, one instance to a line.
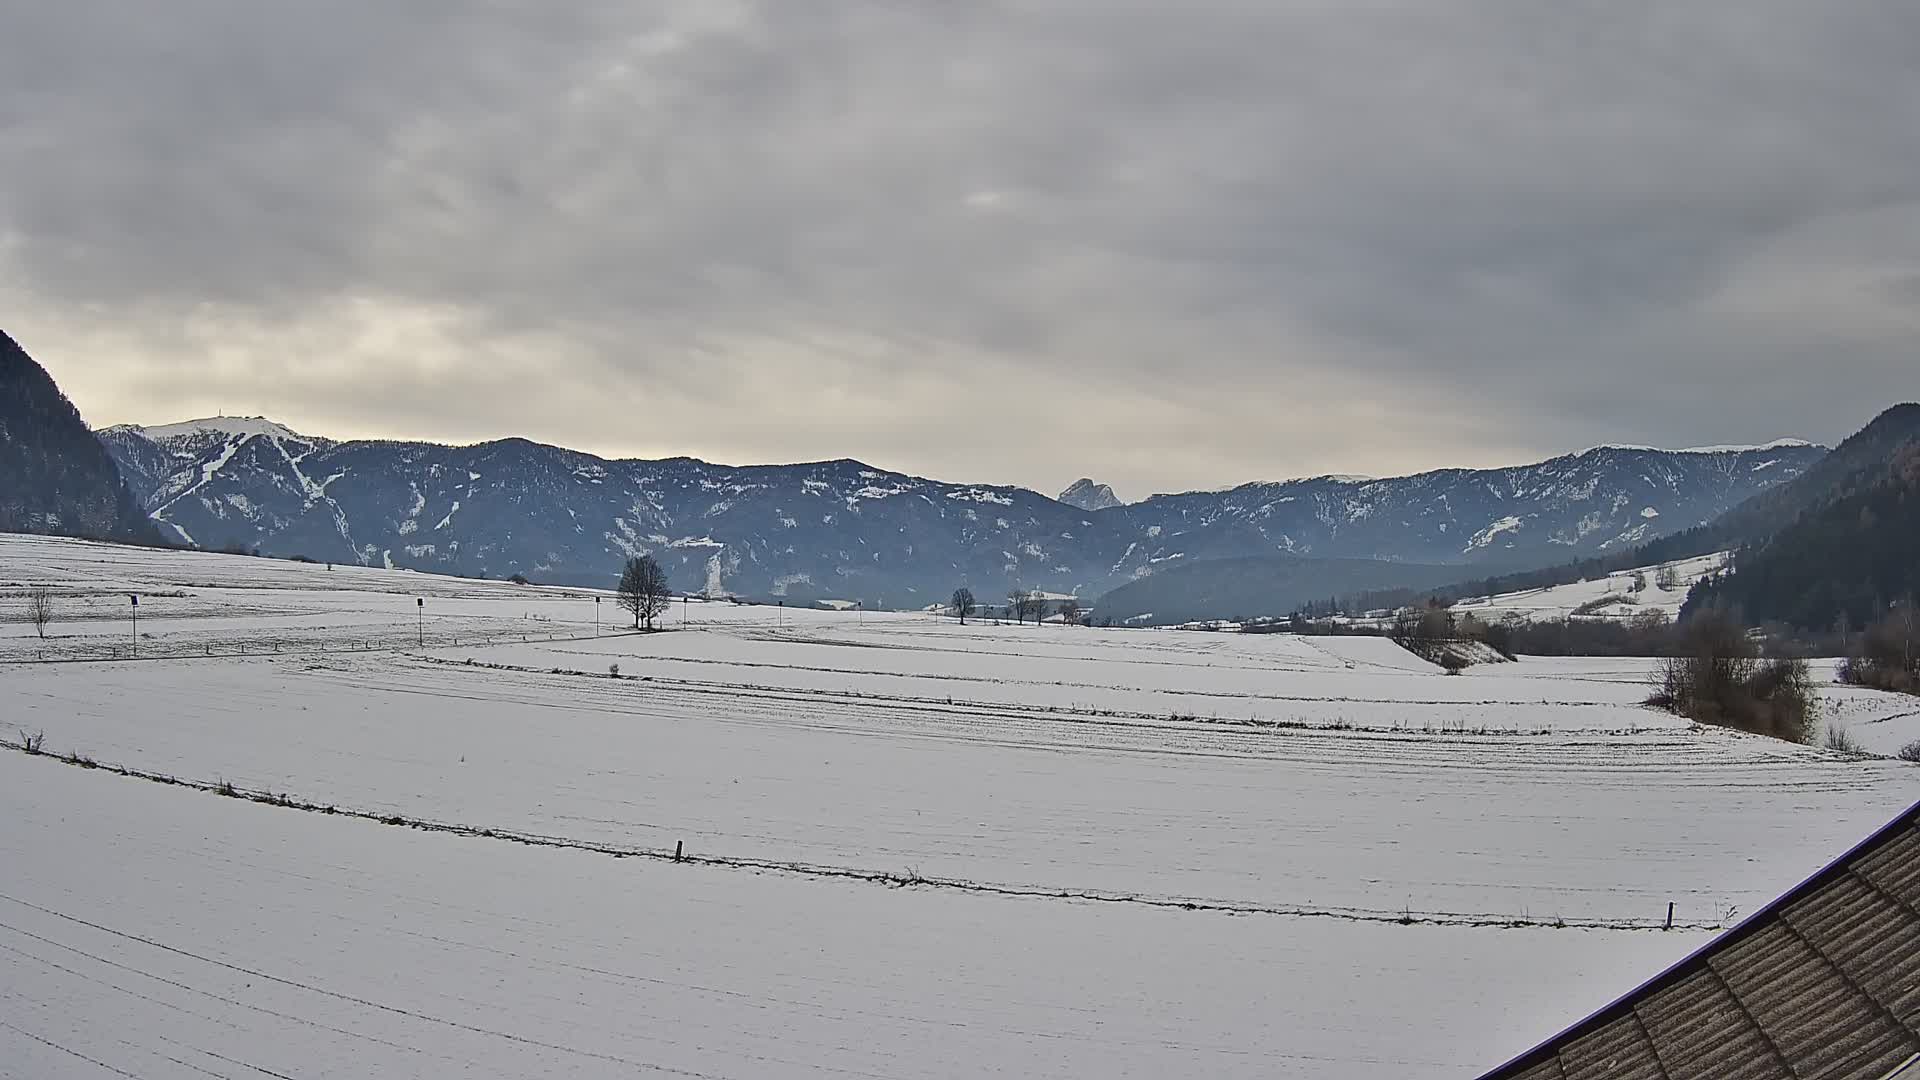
x=311, y=821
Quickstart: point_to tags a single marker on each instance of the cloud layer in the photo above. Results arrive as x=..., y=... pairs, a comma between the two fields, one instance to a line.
x=1168, y=246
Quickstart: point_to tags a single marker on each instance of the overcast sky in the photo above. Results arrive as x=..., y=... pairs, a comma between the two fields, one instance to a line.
x=1166, y=245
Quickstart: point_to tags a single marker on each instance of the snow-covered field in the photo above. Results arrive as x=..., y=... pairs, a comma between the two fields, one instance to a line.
x=168, y=933
x=915, y=849
x=198, y=604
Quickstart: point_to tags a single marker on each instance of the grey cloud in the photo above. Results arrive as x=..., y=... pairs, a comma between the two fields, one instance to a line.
x=1163, y=245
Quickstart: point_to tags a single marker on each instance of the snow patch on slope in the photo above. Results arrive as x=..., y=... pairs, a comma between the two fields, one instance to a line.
x=1612, y=596
x=1486, y=536
x=980, y=495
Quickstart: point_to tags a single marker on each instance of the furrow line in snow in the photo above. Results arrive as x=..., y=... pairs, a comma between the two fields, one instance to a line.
x=351, y=999
x=892, y=879
x=1079, y=713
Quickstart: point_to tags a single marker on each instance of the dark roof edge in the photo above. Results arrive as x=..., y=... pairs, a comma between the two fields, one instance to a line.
x=1748, y=926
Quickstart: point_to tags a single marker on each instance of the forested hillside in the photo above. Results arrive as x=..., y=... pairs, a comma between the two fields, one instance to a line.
x=1849, y=472
x=1850, y=557
x=58, y=479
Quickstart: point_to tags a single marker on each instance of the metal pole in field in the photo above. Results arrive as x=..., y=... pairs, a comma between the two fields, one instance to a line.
x=135, y=597
x=684, y=598
x=596, y=616
x=420, y=605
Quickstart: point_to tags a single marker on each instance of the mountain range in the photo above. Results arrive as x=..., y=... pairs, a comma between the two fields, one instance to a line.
x=843, y=529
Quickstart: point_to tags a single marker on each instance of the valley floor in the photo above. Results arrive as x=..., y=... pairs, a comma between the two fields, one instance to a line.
x=917, y=849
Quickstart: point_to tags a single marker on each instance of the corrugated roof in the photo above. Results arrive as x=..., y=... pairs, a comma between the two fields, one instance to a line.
x=1822, y=984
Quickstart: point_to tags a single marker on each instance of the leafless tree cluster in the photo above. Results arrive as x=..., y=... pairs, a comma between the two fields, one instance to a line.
x=1887, y=653
x=962, y=604
x=1022, y=603
x=1431, y=622
x=1716, y=676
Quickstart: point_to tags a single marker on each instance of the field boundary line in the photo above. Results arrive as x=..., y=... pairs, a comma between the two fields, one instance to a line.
x=893, y=879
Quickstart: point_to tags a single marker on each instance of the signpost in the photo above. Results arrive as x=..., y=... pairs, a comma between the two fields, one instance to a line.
x=135, y=597
x=420, y=605
x=596, y=616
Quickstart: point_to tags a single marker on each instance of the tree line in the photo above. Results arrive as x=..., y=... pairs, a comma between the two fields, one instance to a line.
x=1022, y=604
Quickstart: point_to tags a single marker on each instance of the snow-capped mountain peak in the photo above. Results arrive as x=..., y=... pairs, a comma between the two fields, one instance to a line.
x=228, y=426
x=1087, y=495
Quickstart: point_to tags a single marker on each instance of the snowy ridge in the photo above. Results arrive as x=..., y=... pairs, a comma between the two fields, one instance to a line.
x=1777, y=444
x=1730, y=448
x=214, y=425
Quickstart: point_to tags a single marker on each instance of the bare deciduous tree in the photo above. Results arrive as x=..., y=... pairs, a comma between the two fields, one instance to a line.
x=1668, y=579
x=40, y=611
x=962, y=603
x=1886, y=653
x=1028, y=604
x=1070, y=612
x=1907, y=619
x=643, y=590
x=1018, y=604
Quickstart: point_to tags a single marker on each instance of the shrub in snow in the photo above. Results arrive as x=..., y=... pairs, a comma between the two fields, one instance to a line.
x=1839, y=738
x=1717, y=678
x=1887, y=654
